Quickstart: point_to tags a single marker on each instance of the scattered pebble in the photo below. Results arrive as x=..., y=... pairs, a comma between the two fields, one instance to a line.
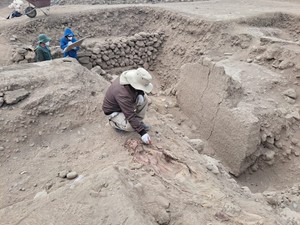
x=72, y=175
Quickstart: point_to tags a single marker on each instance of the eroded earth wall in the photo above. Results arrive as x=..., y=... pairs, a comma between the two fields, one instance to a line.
x=209, y=96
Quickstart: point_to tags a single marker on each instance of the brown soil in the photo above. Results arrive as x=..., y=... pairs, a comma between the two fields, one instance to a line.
x=60, y=126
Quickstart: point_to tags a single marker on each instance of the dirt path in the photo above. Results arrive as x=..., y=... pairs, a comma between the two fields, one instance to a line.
x=216, y=10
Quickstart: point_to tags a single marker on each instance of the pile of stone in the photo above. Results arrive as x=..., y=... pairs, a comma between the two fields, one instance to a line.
x=26, y=54
x=23, y=55
x=139, y=50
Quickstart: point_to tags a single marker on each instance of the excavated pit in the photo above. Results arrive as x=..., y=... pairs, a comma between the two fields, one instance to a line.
x=232, y=84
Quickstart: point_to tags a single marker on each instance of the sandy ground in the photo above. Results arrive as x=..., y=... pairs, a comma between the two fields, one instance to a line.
x=216, y=10
x=112, y=176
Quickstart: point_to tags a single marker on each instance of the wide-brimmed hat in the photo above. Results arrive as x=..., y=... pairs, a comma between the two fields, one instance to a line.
x=139, y=79
x=43, y=38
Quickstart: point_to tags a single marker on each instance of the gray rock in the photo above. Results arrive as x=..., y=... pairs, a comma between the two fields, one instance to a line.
x=140, y=43
x=1, y=94
x=84, y=60
x=30, y=57
x=17, y=57
x=289, y=100
x=294, y=115
x=96, y=50
x=72, y=175
x=213, y=168
x=198, y=144
x=285, y=64
x=290, y=93
x=268, y=155
x=22, y=51
x=278, y=144
x=12, y=97
x=295, y=141
x=97, y=69
x=1, y=148
x=105, y=57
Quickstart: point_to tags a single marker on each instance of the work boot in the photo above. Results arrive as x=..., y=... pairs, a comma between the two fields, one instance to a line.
x=146, y=127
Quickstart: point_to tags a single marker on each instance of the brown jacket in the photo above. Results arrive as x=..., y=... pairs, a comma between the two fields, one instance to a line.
x=122, y=98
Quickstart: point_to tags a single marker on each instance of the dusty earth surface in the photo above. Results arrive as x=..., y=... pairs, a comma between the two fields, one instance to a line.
x=225, y=104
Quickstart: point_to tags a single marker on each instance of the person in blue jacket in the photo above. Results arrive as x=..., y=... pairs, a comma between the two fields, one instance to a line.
x=67, y=40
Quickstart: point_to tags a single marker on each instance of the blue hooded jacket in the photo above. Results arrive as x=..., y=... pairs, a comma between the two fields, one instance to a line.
x=64, y=43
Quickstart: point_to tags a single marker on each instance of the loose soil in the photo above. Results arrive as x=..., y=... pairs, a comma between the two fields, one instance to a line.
x=60, y=127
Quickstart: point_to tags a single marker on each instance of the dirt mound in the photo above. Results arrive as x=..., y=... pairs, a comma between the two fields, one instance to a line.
x=57, y=126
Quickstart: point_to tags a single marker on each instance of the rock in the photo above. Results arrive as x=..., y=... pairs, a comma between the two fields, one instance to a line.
x=285, y=64
x=84, y=60
x=97, y=69
x=289, y=100
x=105, y=57
x=1, y=101
x=294, y=114
x=268, y=155
x=12, y=97
x=161, y=216
x=249, y=60
x=17, y=57
x=165, y=203
x=270, y=140
x=140, y=43
x=254, y=167
x=30, y=57
x=228, y=54
x=1, y=148
x=22, y=51
x=278, y=144
x=272, y=53
x=72, y=175
x=290, y=93
x=198, y=144
x=63, y=174
x=296, y=153
x=213, y=168
x=295, y=141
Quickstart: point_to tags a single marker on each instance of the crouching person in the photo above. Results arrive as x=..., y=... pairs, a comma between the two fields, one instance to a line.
x=125, y=102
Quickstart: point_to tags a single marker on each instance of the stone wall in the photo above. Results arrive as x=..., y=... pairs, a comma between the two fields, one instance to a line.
x=138, y=50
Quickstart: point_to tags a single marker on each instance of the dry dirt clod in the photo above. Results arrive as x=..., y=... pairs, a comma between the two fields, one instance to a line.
x=290, y=93
x=63, y=174
x=12, y=97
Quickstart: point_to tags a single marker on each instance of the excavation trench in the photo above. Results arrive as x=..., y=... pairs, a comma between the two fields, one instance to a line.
x=237, y=106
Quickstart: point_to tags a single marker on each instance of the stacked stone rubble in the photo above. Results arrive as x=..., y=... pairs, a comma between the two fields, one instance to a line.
x=26, y=54
x=139, y=50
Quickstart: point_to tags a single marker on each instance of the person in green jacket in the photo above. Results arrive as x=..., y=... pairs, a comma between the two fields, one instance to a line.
x=42, y=51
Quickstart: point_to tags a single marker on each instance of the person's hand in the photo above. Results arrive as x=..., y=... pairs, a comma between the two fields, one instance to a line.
x=140, y=100
x=146, y=139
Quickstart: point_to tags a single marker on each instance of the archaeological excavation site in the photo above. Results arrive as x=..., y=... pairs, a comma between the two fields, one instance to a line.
x=224, y=114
